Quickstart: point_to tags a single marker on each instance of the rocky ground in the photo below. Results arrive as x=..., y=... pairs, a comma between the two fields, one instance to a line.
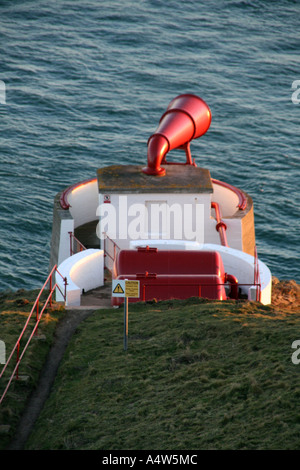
x=286, y=295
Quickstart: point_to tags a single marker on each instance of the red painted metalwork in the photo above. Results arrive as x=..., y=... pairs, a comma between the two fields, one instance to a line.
x=182, y=262
x=77, y=243
x=187, y=117
x=242, y=198
x=165, y=274
x=35, y=307
x=64, y=196
x=234, y=291
x=221, y=227
x=257, y=282
x=116, y=249
x=233, y=294
x=167, y=286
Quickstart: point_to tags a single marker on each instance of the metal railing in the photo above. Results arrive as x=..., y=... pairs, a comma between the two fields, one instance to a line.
x=108, y=242
x=221, y=227
x=75, y=245
x=242, y=198
x=64, y=203
x=257, y=276
x=39, y=313
x=197, y=286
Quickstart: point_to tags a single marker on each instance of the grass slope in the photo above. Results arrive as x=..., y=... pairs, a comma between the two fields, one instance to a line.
x=14, y=311
x=196, y=375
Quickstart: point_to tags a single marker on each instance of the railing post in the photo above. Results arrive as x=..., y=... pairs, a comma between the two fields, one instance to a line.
x=16, y=348
x=37, y=313
x=66, y=283
x=71, y=249
x=258, y=292
x=51, y=290
x=18, y=354
x=257, y=276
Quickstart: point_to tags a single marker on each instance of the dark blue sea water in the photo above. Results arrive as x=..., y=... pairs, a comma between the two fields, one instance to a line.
x=87, y=81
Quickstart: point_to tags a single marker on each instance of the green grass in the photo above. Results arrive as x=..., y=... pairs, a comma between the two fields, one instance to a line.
x=14, y=311
x=197, y=375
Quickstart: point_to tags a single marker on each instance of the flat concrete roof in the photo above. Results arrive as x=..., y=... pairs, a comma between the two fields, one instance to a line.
x=131, y=179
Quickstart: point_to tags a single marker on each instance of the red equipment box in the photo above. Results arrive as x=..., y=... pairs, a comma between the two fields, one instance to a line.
x=167, y=274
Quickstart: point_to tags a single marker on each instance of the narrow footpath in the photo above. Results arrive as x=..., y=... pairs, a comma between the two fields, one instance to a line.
x=66, y=328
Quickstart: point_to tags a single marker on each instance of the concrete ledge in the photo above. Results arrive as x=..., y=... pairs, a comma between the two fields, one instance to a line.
x=84, y=271
x=83, y=201
x=63, y=223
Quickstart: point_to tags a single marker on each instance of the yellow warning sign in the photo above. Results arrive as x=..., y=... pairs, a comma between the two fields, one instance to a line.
x=118, y=289
x=132, y=289
x=125, y=288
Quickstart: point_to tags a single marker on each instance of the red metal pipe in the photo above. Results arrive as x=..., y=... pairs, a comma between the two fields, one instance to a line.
x=234, y=292
x=257, y=276
x=221, y=226
x=187, y=117
x=242, y=198
x=73, y=238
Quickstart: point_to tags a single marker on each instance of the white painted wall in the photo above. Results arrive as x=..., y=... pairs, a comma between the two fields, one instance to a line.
x=83, y=202
x=241, y=265
x=133, y=213
x=84, y=270
x=227, y=199
x=66, y=226
x=120, y=206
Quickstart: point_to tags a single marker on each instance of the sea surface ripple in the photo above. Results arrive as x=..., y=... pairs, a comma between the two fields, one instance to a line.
x=87, y=82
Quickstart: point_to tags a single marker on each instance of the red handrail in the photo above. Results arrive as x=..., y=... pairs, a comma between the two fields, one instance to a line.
x=64, y=203
x=38, y=318
x=242, y=198
x=234, y=284
x=241, y=205
x=221, y=226
x=257, y=276
x=115, y=247
x=72, y=240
